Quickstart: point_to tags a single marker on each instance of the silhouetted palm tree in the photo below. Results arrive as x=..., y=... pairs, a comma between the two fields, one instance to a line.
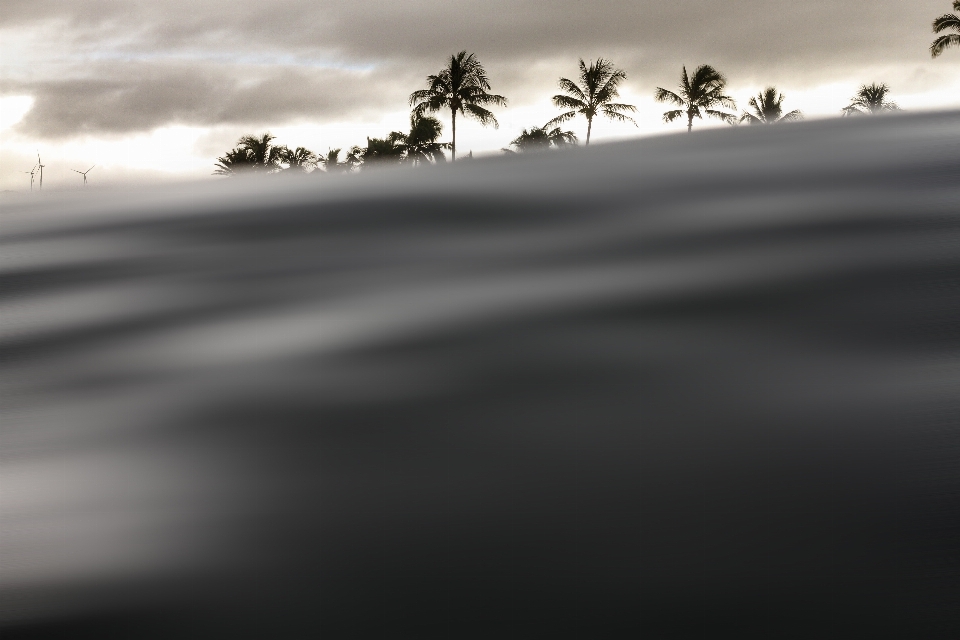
x=331, y=163
x=941, y=24
x=598, y=88
x=235, y=161
x=699, y=94
x=768, y=109
x=462, y=87
x=870, y=99
x=299, y=159
x=541, y=138
x=266, y=157
x=382, y=151
x=252, y=153
x=420, y=145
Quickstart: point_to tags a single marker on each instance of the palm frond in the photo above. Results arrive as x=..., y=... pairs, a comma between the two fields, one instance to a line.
x=562, y=138
x=479, y=97
x=663, y=95
x=727, y=102
x=610, y=88
x=722, y=115
x=584, y=72
x=946, y=21
x=616, y=115
x=715, y=98
x=421, y=95
x=944, y=42
x=752, y=119
x=483, y=116
x=560, y=119
x=794, y=115
x=571, y=87
x=670, y=116
x=705, y=75
x=566, y=102
x=616, y=106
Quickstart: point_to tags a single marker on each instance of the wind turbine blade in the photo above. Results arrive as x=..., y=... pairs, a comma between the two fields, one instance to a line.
x=75, y=171
x=89, y=170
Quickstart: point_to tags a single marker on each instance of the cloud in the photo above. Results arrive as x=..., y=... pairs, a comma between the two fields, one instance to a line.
x=119, y=98
x=113, y=67
x=758, y=30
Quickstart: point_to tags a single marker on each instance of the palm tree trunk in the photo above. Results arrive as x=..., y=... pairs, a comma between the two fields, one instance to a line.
x=589, y=127
x=453, y=147
x=689, y=122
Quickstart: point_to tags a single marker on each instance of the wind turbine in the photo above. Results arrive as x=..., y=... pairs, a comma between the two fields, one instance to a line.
x=31, y=174
x=84, y=174
x=41, y=165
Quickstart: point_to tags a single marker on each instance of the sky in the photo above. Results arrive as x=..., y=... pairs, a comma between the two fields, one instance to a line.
x=155, y=90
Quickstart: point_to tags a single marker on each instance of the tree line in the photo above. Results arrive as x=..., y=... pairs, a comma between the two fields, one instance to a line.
x=463, y=87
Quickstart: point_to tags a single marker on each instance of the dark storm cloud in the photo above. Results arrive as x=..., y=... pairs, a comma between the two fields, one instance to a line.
x=767, y=40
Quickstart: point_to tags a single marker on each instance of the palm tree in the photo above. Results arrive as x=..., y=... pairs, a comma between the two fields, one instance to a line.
x=462, y=87
x=266, y=157
x=598, y=88
x=768, y=109
x=540, y=138
x=331, y=162
x=420, y=145
x=941, y=24
x=233, y=162
x=870, y=99
x=299, y=159
x=382, y=151
x=698, y=95
x=252, y=153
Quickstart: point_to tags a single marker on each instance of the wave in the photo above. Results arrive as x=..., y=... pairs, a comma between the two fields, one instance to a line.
x=676, y=386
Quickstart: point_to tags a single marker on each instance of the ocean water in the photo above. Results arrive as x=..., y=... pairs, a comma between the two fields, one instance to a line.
x=680, y=387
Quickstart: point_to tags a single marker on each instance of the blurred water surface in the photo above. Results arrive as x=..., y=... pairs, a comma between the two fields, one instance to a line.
x=678, y=387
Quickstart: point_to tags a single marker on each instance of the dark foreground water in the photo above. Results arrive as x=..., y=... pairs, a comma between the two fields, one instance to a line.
x=688, y=387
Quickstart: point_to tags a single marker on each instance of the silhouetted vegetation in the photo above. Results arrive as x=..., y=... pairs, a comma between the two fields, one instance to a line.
x=700, y=94
x=383, y=151
x=331, y=162
x=257, y=154
x=870, y=99
x=541, y=138
x=768, y=109
x=421, y=144
x=462, y=87
x=414, y=148
x=944, y=23
x=300, y=159
x=598, y=88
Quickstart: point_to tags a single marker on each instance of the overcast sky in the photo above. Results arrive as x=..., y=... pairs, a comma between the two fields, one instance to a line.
x=153, y=90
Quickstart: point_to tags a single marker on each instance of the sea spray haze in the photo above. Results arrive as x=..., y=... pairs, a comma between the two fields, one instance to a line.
x=694, y=386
